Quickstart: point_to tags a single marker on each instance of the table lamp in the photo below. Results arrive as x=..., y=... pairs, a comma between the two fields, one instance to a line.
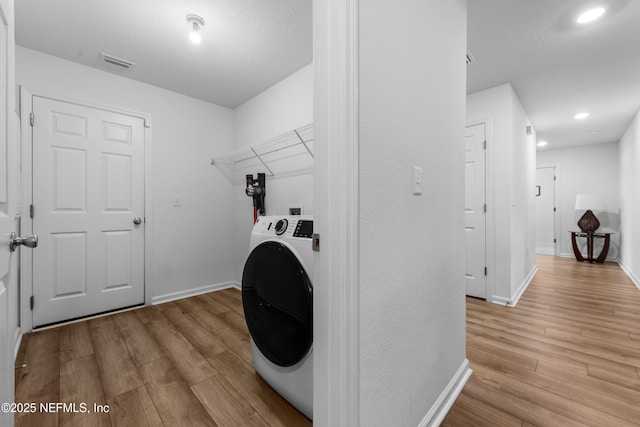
x=589, y=202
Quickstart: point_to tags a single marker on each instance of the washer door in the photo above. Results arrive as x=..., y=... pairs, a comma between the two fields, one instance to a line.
x=277, y=297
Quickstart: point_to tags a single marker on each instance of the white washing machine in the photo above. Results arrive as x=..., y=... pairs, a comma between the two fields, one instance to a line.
x=277, y=297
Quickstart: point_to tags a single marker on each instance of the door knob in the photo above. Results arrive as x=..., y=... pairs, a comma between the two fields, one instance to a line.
x=137, y=221
x=29, y=241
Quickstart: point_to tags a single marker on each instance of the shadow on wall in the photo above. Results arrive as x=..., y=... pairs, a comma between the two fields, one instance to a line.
x=609, y=221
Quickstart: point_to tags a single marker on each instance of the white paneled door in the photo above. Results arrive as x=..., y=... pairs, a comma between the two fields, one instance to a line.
x=546, y=210
x=8, y=211
x=88, y=197
x=475, y=211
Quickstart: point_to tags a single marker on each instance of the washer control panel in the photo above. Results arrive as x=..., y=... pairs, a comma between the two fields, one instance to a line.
x=289, y=226
x=304, y=228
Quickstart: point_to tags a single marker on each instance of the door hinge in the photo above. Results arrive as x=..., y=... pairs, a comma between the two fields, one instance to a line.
x=485, y=271
x=484, y=208
x=31, y=210
x=554, y=209
x=31, y=118
x=555, y=241
x=554, y=177
x=31, y=302
x=484, y=144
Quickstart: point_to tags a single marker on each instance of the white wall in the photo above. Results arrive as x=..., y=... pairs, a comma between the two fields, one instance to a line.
x=412, y=292
x=523, y=220
x=190, y=244
x=284, y=107
x=630, y=200
x=591, y=169
x=510, y=198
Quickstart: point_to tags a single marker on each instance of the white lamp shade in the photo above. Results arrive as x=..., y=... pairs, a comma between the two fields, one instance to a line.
x=589, y=202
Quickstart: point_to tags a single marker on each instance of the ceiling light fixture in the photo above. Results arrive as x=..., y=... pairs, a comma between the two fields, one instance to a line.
x=195, y=22
x=590, y=15
x=581, y=116
x=542, y=143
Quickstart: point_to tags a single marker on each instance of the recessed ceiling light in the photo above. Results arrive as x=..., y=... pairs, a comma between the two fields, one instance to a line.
x=542, y=143
x=590, y=15
x=581, y=116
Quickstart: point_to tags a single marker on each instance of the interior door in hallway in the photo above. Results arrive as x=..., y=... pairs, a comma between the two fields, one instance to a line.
x=475, y=211
x=8, y=211
x=545, y=210
x=88, y=197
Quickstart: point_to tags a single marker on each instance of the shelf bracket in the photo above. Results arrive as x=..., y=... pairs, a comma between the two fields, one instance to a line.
x=303, y=143
x=261, y=161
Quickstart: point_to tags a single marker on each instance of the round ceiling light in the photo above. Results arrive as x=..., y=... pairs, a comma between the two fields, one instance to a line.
x=542, y=143
x=590, y=15
x=195, y=22
x=581, y=116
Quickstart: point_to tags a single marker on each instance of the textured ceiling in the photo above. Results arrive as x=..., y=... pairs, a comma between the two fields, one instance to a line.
x=247, y=45
x=559, y=68
x=556, y=67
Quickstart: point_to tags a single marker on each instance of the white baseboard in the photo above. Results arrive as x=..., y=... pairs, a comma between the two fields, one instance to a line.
x=545, y=251
x=628, y=272
x=195, y=291
x=499, y=300
x=17, y=339
x=571, y=255
x=523, y=286
x=513, y=301
x=441, y=408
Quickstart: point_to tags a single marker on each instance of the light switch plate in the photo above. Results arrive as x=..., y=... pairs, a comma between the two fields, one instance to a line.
x=417, y=181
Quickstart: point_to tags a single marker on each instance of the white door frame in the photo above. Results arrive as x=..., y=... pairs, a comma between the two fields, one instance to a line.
x=556, y=223
x=336, y=396
x=490, y=228
x=26, y=258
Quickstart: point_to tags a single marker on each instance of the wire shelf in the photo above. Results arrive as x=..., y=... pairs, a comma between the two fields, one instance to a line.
x=284, y=155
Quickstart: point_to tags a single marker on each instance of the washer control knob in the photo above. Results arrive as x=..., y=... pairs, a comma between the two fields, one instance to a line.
x=281, y=226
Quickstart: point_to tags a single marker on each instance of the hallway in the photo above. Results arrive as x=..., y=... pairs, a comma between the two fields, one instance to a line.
x=567, y=355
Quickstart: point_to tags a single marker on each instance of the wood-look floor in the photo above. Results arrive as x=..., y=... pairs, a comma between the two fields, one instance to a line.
x=567, y=355
x=183, y=363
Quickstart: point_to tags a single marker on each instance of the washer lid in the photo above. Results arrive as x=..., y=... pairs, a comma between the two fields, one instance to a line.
x=277, y=297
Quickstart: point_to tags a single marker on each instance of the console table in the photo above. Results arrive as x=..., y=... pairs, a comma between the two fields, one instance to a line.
x=590, y=236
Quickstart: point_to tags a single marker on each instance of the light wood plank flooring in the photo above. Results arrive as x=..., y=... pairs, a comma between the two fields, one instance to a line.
x=183, y=363
x=567, y=355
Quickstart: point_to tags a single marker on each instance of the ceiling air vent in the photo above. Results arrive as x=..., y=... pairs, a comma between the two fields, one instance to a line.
x=117, y=61
x=470, y=57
